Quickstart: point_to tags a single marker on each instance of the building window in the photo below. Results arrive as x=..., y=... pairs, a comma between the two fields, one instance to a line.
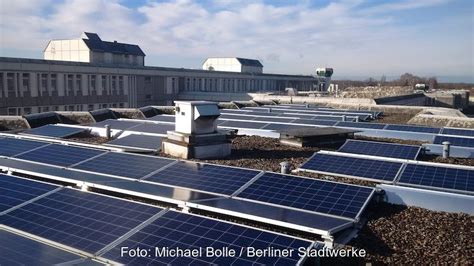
x=104, y=105
x=147, y=80
x=90, y=107
x=70, y=85
x=187, y=86
x=104, y=85
x=173, y=86
x=114, y=85
x=11, y=91
x=12, y=111
x=44, y=85
x=27, y=110
x=78, y=90
x=121, y=105
x=120, y=85
x=70, y=108
x=26, y=84
x=53, y=85
x=92, y=88
x=1, y=85
x=148, y=96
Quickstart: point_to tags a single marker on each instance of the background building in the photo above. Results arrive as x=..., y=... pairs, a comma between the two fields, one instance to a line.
x=90, y=48
x=87, y=73
x=35, y=85
x=233, y=64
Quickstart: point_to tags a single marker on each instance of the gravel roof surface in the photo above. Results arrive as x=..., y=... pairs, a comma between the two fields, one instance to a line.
x=397, y=234
x=264, y=154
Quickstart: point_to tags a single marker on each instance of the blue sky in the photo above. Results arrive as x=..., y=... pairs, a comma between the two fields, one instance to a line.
x=357, y=38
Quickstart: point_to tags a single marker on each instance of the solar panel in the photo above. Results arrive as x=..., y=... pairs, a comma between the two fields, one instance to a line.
x=353, y=167
x=381, y=149
x=240, y=124
x=162, y=118
x=455, y=141
x=360, y=125
x=117, y=124
x=84, y=221
x=314, y=122
x=309, y=194
x=265, y=114
x=240, y=207
x=175, y=230
x=282, y=126
x=458, y=131
x=54, y=131
x=61, y=155
x=204, y=177
x=18, y=250
x=15, y=191
x=11, y=147
x=123, y=164
x=137, y=141
x=413, y=128
x=153, y=128
x=268, y=119
x=438, y=177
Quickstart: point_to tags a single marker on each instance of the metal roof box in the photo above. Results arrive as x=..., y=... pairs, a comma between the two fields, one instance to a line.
x=196, y=117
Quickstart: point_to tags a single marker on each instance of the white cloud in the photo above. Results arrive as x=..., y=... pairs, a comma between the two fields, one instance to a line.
x=293, y=38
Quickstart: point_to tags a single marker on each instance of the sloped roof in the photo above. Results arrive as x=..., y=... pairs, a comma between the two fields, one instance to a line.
x=249, y=62
x=94, y=43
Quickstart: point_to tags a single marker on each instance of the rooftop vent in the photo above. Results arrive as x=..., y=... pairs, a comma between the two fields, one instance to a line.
x=195, y=134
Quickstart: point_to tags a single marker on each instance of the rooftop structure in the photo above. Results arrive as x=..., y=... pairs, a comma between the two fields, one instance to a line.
x=233, y=64
x=90, y=48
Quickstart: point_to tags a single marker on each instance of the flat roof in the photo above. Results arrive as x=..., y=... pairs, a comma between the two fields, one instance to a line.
x=82, y=64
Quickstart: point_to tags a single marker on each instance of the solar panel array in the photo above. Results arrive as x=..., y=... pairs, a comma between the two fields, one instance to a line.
x=84, y=221
x=310, y=108
x=123, y=164
x=426, y=175
x=186, y=231
x=163, y=173
x=276, y=117
x=308, y=194
x=18, y=250
x=11, y=146
x=205, y=177
x=15, y=191
x=100, y=225
x=378, y=170
x=410, y=128
x=438, y=177
x=261, y=115
x=61, y=155
x=277, y=109
x=282, y=117
x=458, y=132
x=145, y=142
x=54, y=131
x=381, y=149
x=361, y=125
x=455, y=141
x=117, y=124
